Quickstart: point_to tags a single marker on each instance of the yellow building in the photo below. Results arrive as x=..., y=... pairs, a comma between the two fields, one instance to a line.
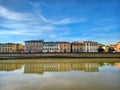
x=106, y=48
x=11, y=48
x=78, y=47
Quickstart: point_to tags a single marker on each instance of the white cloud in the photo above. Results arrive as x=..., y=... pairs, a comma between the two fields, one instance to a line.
x=64, y=21
x=38, y=11
x=8, y=14
x=106, y=28
x=25, y=28
x=29, y=25
x=36, y=7
x=69, y=21
x=32, y=26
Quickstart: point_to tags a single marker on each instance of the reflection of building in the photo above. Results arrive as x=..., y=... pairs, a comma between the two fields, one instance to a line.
x=40, y=68
x=9, y=67
x=34, y=46
x=118, y=65
x=34, y=68
x=91, y=46
x=87, y=67
x=51, y=47
x=91, y=67
x=65, y=47
x=51, y=67
x=78, y=47
x=78, y=66
x=11, y=48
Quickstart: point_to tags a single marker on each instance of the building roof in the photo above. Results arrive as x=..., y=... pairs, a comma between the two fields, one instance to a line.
x=51, y=42
x=56, y=42
x=62, y=42
x=89, y=41
x=6, y=43
x=10, y=44
x=77, y=43
x=35, y=41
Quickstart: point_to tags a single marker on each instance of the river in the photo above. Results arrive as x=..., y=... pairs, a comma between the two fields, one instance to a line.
x=60, y=74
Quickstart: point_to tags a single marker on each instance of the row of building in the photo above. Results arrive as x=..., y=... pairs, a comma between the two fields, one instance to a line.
x=41, y=46
x=36, y=46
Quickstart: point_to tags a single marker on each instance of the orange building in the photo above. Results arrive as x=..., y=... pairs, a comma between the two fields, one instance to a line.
x=64, y=47
x=117, y=47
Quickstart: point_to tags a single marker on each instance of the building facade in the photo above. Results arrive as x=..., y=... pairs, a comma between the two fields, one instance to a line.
x=117, y=47
x=11, y=48
x=51, y=47
x=64, y=47
x=90, y=46
x=34, y=46
x=77, y=47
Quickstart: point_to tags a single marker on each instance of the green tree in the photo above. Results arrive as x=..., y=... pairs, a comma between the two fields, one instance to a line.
x=111, y=49
x=100, y=49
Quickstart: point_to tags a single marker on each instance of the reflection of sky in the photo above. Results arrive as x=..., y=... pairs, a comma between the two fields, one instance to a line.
x=106, y=79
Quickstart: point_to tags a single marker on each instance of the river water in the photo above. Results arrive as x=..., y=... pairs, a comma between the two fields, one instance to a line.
x=60, y=74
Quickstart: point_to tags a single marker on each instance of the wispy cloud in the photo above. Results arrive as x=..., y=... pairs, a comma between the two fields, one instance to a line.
x=25, y=28
x=8, y=14
x=6, y=32
x=69, y=21
x=35, y=24
x=38, y=11
x=22, y=24
x=36, y=7
x=106, y=28
x=28, y=24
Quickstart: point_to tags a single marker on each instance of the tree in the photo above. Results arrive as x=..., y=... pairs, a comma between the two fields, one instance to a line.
x=111, y=49
x=100, y=49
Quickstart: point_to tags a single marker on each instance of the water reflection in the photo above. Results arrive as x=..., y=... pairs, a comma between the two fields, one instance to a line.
x=60, y=74
x=9, y=67
x=39, y=66
x=118, y=65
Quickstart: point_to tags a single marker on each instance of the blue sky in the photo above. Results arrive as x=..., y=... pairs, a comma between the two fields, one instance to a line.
x=60, y=20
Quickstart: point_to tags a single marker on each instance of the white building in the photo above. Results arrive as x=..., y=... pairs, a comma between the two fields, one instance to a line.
x=51, y=47
x=90, y=46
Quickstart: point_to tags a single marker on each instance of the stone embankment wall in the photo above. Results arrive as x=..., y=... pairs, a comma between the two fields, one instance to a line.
x=62, y=55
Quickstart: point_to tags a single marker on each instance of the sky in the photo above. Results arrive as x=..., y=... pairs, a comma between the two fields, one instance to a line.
x=60, y=20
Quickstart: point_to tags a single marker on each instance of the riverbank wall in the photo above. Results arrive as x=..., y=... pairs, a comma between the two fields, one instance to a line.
x=59, y=55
